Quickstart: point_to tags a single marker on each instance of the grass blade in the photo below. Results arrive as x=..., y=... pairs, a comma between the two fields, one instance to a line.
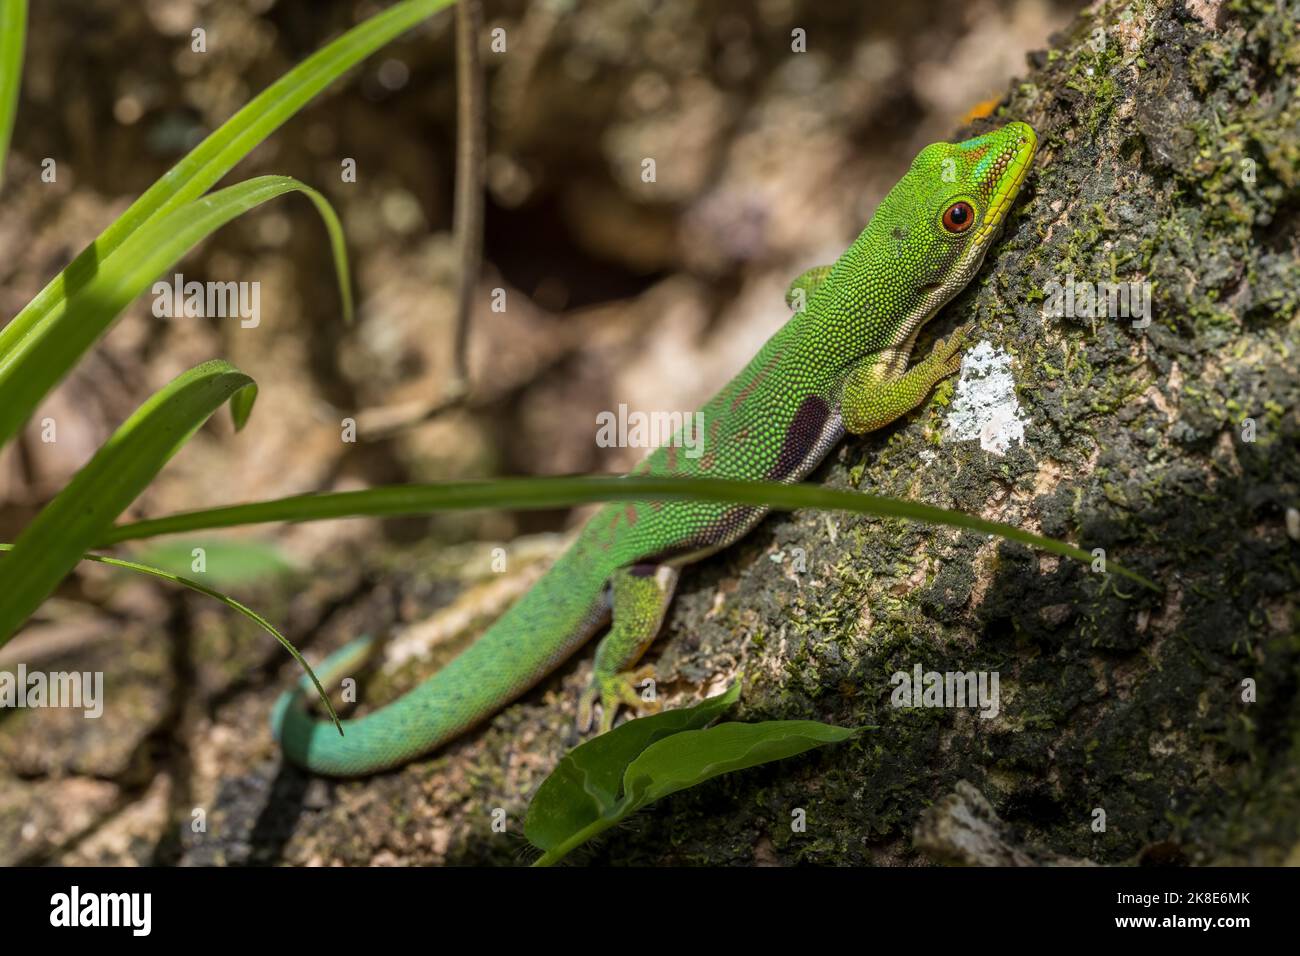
x=13, y=31
x=542, y=493
x=88, y=505
x=225, y=599
x=76, y=322
x=228, y=563
x=217, y=155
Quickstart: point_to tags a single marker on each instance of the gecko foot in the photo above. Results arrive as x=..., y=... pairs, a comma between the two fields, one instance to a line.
x=947, y=352
x=613, y=691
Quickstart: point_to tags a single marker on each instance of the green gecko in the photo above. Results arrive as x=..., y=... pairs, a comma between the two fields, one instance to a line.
x=840, y=364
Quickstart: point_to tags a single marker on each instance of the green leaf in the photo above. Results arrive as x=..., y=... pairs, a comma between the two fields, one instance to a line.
x=13, y=30
x=674, y=752
x=230, y=602
x=226, y=563
x=215, y=156
x=87, y=506
x=692, y=757
x=531, y=493
x=53, y=345
x=587, y=783
x=241, y=406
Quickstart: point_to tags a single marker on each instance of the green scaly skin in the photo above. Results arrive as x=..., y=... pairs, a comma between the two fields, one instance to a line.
x=841, y=364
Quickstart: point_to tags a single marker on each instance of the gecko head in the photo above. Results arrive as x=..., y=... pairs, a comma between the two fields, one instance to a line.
x=978, y=180
x=954, y=200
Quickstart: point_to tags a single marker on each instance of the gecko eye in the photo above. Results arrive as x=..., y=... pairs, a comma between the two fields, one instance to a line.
x=958, y=217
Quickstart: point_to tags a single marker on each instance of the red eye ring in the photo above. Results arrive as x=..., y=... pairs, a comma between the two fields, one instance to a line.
x=958, y=217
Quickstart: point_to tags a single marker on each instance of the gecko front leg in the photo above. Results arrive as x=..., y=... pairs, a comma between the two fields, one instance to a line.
x=872, y=396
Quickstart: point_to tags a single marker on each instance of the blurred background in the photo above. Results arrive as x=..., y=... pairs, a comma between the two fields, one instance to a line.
x=616, y=290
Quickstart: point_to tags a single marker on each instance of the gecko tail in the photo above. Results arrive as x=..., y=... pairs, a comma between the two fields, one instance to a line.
x=292, y=724
x=556, y=617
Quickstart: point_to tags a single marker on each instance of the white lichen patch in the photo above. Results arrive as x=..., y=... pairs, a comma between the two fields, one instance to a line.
x=985, y=405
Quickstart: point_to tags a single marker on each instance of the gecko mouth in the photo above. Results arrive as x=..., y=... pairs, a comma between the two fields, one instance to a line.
x=1008, y=185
